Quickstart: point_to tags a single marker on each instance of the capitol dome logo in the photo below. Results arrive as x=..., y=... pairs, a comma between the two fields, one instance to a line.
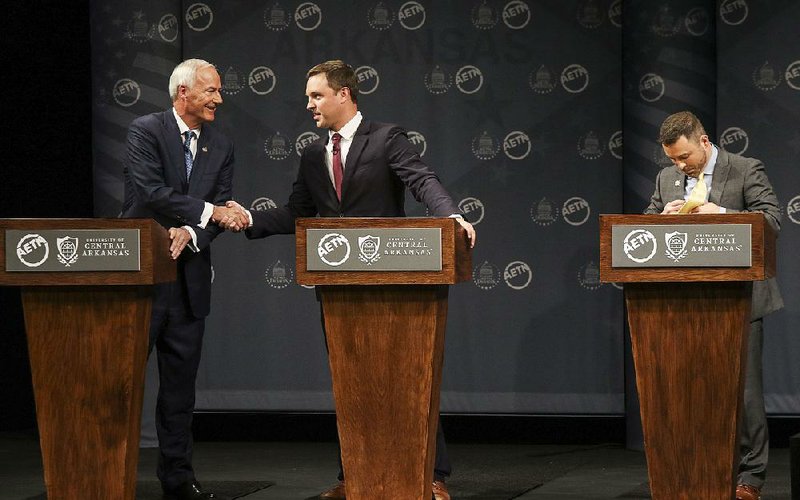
x=544, y=212
x=590, y=15
x=589, y=276
x=380, y=17
x=484, y=16
x=542, y=80
x=486, y=276
x=640, y=245
x=232, y=81
x=277, y=147
x=437, y=81
x=589, y=146
x=139, y=30
x=276, y=18
x=485, y=146
x=279, y=275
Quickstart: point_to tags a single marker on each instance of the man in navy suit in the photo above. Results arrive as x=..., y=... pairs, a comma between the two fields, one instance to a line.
x=734, y=184
x=360, y=168
x=178, y=170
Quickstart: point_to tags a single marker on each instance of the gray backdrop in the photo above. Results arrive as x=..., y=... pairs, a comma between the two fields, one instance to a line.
x=516, y=104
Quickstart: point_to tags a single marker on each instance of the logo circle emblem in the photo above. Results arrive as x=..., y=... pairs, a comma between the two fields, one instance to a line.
x=126, y=92
x=473, y=208
x=33, y=250
x=518, y=275
x=734, y=140
x=517, y=145
x=574, y=78
x=262, y=80
x=792, y=75
x=303, y=140
x=411, y=15
x=575, y=211
x=733, y=12
x=333, y=249
x=469, y=79
x=196, y=14
x=308, y=16
x=651, y=87
x=168, y=28
x=419, y=141
x=367, y=75
x=793, y=209
x=640, y=245
x=516, y=14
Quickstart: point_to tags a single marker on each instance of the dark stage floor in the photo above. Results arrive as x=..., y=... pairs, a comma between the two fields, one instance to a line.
x=301, y=470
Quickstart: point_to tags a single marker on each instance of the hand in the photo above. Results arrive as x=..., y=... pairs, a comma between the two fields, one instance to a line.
x=470, y=231
x=672, y=207
x=180, y=238
x=706, y=208
x=232, y=216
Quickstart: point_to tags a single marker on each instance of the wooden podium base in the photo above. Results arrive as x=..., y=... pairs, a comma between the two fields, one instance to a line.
x=88, y=348
x=385, y=348
x=690, y=347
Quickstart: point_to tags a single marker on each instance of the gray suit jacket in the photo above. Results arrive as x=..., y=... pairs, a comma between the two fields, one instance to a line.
x=739, y=184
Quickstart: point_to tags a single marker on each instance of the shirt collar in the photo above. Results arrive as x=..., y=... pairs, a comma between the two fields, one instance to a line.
x=182, y=127
x=349, y=130
x=712, y=161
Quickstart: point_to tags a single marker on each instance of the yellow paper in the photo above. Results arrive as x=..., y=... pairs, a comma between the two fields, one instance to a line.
x=696, y=198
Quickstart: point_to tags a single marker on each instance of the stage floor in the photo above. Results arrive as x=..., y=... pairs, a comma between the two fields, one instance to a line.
x=481, y=471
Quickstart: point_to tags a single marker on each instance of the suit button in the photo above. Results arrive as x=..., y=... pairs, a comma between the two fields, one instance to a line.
x=341, y=214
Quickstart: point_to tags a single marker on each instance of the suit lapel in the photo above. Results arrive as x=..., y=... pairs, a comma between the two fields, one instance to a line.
x=676, y=189
x=720, y=177
x=175, y=146
x=354, y=153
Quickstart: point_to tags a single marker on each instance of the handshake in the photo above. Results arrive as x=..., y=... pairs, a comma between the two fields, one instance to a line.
x=232, y=217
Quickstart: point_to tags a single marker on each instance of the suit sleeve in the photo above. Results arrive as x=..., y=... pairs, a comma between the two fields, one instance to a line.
x=420, y=180
x=146, y=169
x=281, y=220
x=759, y=196
x=656, y=205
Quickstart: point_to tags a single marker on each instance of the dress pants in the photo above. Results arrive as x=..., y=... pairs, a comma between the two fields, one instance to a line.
x=177, y=337
x=754, y=438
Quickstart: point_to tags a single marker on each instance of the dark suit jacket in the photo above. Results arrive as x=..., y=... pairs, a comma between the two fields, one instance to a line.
x=739, y=184
x=380, y=165
x=156, y=187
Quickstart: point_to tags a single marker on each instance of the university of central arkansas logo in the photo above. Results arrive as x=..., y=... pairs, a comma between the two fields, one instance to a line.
x=676, y=245
x=67, y=250
x=368, y=249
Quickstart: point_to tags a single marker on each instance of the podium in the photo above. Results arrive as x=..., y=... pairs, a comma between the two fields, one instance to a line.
x=383, y=284
x=86, y=298
x=688, y=286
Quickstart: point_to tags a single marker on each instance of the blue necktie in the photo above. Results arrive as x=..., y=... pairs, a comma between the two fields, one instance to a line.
x=187, y=152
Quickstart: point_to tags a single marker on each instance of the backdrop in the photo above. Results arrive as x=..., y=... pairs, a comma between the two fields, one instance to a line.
x=518, y=107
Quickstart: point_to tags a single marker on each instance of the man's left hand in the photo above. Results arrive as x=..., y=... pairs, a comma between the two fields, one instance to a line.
x=470, y=231
x=180, y=238
x=707, y=208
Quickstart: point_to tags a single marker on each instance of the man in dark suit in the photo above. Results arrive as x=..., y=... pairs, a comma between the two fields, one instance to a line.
x=360, y=168
x=177, y=169
x=734, y=184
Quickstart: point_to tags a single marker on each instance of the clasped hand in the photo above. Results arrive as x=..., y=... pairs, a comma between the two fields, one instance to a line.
x=232, y=217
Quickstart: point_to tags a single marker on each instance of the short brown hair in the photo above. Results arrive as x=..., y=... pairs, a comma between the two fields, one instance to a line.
x=678, y=124
x=339, y=74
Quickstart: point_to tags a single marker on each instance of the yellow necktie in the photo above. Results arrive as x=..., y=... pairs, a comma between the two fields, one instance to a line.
x=697, y=197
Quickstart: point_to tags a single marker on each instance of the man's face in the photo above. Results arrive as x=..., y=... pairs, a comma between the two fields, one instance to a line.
x=202, y=98
x=689, y=155
x=326, y=106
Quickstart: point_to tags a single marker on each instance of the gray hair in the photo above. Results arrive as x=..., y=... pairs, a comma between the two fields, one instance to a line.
x=185, y=74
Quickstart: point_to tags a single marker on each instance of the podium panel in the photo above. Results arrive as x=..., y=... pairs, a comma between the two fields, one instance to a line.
x=87, y=334
x=689, y=323
x=385, y=334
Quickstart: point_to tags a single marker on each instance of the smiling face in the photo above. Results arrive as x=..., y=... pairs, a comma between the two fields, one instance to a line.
x=198, y=104
x=329, y=108
x=689, y=155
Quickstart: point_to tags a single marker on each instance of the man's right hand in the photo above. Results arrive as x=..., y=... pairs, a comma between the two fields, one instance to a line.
x=672, y=207
x=232, y=217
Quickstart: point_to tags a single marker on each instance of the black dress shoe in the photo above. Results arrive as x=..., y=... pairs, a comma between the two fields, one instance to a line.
x=190, y=490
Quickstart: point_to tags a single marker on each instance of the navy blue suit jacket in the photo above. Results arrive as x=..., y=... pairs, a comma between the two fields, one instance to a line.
x=381, y=164
x=156, y=187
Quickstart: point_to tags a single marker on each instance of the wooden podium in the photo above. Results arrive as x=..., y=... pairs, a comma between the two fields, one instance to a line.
x=87, y=339
x=689, y=327
x=385, y=333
